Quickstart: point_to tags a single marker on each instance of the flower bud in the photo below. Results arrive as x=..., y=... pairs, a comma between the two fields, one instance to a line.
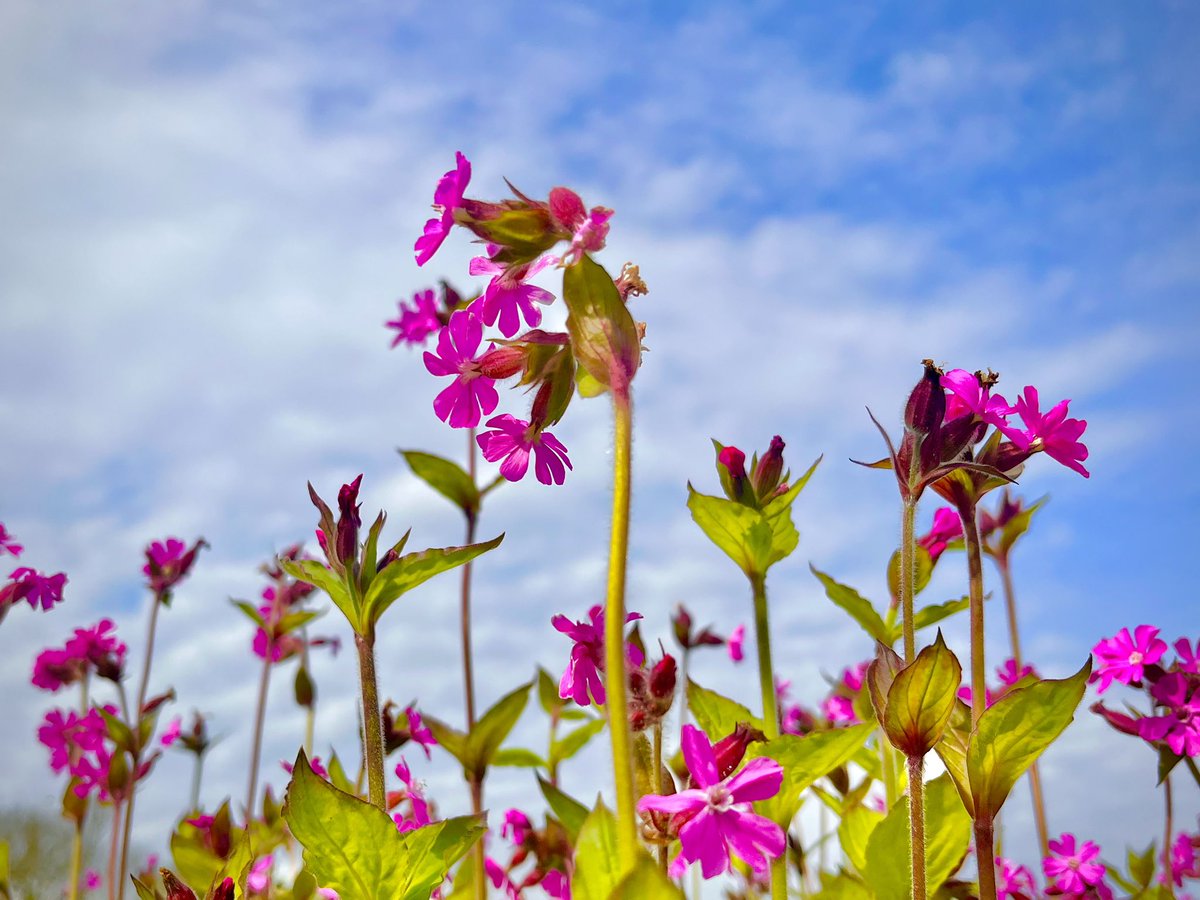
x=348, y=522
x=769, y=470
x=662, y=679
x=223, y=891
x=732, y=470
x=566, y=209
x=926, y=405
x=681, y=623
x=1123, y=723
x=176, y=889
x=729, y=750
x=502, y=362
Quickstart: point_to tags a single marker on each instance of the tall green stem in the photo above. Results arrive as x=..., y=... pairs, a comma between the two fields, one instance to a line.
x=975, y=575
x=372, y=724
x=145, y=683
x=916, y=784
x=1168, y=827
x=985, y=854
x=658, y=784
x=766, y=684
x=1035, y=776
x=916, y=816
x=264, y=683
x=614, y=628
x=908, y=576
x=196, y=774
x=480, y=879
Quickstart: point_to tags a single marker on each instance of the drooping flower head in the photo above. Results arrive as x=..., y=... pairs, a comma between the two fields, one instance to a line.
x=715, y=818
x=471, y=395
x=513, y=440
x=415, y=323
x=168, y=562
x=686, y=637
x=418, y=814
x=1123, y=658
x=35, y=588
x=1177, y=698
x=447, y=197
x=1073, y=870
x=582, y=680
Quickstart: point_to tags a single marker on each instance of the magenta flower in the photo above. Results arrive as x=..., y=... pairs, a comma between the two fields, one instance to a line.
x=508, y=297
x=415, y=323
x=556, y=885
x=716, y=818
x=516, y=826
x=7, y=544
x=965, y=694
x=91, y=880
x=839, y=710
x=1182, y=861
x=582, y=676
x=513, y=440
x=1122, y=658
x=69, y=735
x=947, y=527
x=447, y=197
x=419, y=813
x=259, y=878
x=737, y=640
x=797, y=720
x=168, y=562
x=854, y=678
x=1188, y=659
x=471, y=395
x=315, y=764
x=966, y=396
x=1009, y=674
x=1180, y=727
x=1071, y=870
x=500, y=879
x=54, y=669
x=172, y=732
x=34, y=588
x=1015, y=880
x=1052, y=432
x=418, y=731
x=588, y=230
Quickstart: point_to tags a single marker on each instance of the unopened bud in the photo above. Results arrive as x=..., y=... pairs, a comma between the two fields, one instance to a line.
x=1123, y=723
x=733, y=478
x=729, y=751
x=681, y=623
x=176, y=889
x=348, y=521
x=769, y=470
x=502, y=362
x=566, y=209
x=926, y=405
x=662, y=678
x=223, y=891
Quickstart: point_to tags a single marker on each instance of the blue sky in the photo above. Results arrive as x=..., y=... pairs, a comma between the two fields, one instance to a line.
x=210, y=214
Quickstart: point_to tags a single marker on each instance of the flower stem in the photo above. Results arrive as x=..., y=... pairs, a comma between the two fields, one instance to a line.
x=113, y=846
x=264, y=683
x=975, y=574
x=1035, y=776
x=1168, y=827
x=196, y=773
x=77, y=844
x=310, y=711
x=372, y=723
x=128, y=831
x=766, y=683
x=141, y=697
x=658, y=784
x=916, y=817
x=683, y=690
x=985, y=854
x=614, y=628
x=908, y=576
x=480, y=879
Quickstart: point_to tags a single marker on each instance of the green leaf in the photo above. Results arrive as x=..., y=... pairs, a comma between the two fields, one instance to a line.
x=841, y=887
x=646, y=882
x=310, y=571
x=604, y=336
x=338, y=777
x=1014, y=731
x=935, y=612
x=586, y=384
x=196, y=864
x=859, y=608
x=414, y=569
x=524, y=233
x=597, y=867
x=1141, y=867
x=952, y=750
x=547, y=689
x=493, y=727
x=855, y=832
x=1018, y=525
x=355, y=849
x=717, y=715
x=921, y=699
x=923, y=571
x=450, y=739
x=575, y=740
x=947, y=835
x=445, y=477
x=251, y=612
x=144, y=892
x=804, y=760
x=518, y=757
x=778, y=513
x=566, y=809
x=740, y=532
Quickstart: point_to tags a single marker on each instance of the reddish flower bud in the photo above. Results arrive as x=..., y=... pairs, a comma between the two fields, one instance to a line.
x=502, y=362
x=926, y=405
x=769, y=470
x=176, y=889
x=349, y=521
x=566, y=209
x=681, y=623
x=223, y=891
x=730, y=750
x=1123, y=723
x=662, y=678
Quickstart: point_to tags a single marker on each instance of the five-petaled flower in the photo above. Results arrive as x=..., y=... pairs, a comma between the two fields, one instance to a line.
x=33, y=587
x=1124, y=657
x=715, y=818
x=513, y=440
x=1074, y=870
x=1179, y=726
x=1052, y=431
x=168, y=562
x=509, y=296
x=582, y=681
x=471, y=395
x=447, y=197
x=415, y=323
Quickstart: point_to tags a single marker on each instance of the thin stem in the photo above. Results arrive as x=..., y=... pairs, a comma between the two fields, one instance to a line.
x=614, y=628
x=683, y=690
x=477, y=852
x=196, y=773
x=112, y=851
x=128, y=831
x=985, y=854
x=550, y=746
x=372, y=722
x=264, y=683
x=480, y=879
x=908, y=576
x=975, y=573
x=310, y=711
x=77, y=844
x=1035, y=776
x=658, y=784
x=1168, y=827
x=141, y=696
x=766, y=683
x=916, y=810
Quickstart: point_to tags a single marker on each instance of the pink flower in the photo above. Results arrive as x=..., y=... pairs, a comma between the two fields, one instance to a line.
x=797, y=720
x=582, y=676
x=471, y=395
x=65, y=736
x=414, y=324
x=447, y=197
x=1052, y=431
x=500, y=880
x=557, y=885
x=259, y=878
x=1015, y=880
x=1180, y=727
x=1182, y=862
x=737, y=640
x=54, y=669
x=1122, y=658
x=172, y=732
x=966, y=396
x=516, y=826
x=716, y=818
x=7, y=544
x=91, y=880
x=1008, y=674
x=965, y=694
x=839, y=710
x=513, y=440
x=168, y=562
x=34, y=588
x=947, y=527
x=1188, y=659
x=419, y=732
x=508, y=296
x=1072, y=871
x=419, y=814
x=856, y=677
x=315, y=764
x=588, y=230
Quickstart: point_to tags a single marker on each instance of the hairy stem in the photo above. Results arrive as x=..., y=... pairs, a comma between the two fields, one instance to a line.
x=614, y=629
x=975, y=573
x=766, y=684
x=658, y=784
x=480, y=880
x=908, y=576
x=985, y=853
x=372, y=723
x=113, y=847
x=916, y=784
x=1168, y=827
x=260, y=715
x=77, y=842
x=916, y=816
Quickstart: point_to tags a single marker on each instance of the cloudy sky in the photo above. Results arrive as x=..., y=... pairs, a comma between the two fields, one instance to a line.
x=209, y=210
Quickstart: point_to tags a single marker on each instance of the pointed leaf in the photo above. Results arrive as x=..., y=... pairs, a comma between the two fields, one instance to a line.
x=251, y=612
x=445, y=477
x=548, y=692
x=310, y=571
x=717, y=715
x=604, y=337
x=414, y=569
x=646, y=882
x=804, y=760
x=518, y=757
x=935, y=612
x=921, y=699
x=923, y=571
x=597, y=867
x=450, y=739
x=575, y=740
x=859, y=608
x=855, y=831
x=493, y=727
x=740, y=532
x=1014, y=731
x=778, y=513
x=952, y=750
x=566, y=809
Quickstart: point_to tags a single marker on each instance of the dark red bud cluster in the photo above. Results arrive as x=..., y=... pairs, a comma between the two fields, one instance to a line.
x=681, y=623
x=651, y=693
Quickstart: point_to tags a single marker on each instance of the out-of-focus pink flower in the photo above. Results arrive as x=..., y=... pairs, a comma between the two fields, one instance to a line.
x=91, y=880
x=500, y=880
x=797, y=720
x=471, y=395
x=259, y=878
x=947, y=527
x=1188, y=660
x=557, y=885
x=1179, y=728
x=839, y=710
x=8, y=544
x=327, y=893
x=1182, y=861
x=419, y=812
x=1009, y=675
x=966, y=396
x=716, y=818
x=737, y=640
x=783, y=688
x=447, y=197
x=513, y=440
x=415, y=323
x=854, y=677
x=94, y=649
x=516, y=826
x=315, y=764
x=582, y=676
x=1123, y=658
x=419, y=732
x=55, y=668
x=965, y=694
x=66, y=735
x=1014, y=880
x=1051, y=431
x=35, y=588
x=588, y=229
x=172, y=732
x=1073, y=870
x=509, y=297
x=168, y=562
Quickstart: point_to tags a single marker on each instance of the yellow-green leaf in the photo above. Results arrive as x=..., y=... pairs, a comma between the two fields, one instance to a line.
x=597, y=867
x=717, y=715
x=414, y=569
x=446, y=477
x=921, y=699
x=804, y=760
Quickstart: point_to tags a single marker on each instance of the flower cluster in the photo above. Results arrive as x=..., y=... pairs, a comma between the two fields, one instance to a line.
x=35, y=588
x=167, y=563
x=548, y=848
x=94, y=650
